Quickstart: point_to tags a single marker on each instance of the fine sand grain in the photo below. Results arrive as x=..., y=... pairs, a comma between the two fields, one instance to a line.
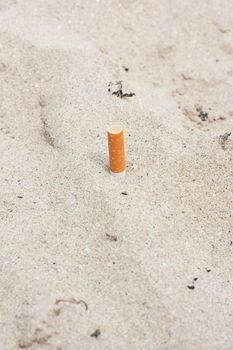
x=89, y=261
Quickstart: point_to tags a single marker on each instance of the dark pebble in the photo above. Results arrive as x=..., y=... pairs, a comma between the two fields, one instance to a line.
x=191, y=287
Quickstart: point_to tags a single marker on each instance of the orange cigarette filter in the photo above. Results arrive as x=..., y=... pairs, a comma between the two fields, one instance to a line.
x=116, y=150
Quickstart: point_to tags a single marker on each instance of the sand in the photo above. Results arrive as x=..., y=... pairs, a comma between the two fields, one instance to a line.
x=152, y=268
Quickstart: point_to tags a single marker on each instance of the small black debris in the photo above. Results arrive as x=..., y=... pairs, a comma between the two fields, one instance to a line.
x=131, y=94
x=203, y=116
x=124, y=193
x=96, y=333
x=112, y=238
x=120, y=94
x=191, y=287
x=231, y=242
x=125, y=68
x=20, y=197
x=118, y=90
x=208, y=270
x=195, y=279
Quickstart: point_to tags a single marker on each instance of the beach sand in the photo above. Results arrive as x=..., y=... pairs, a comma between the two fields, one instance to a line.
x=152, y=268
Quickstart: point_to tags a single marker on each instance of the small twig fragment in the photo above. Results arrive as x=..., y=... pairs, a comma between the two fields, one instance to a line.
x=72, y=301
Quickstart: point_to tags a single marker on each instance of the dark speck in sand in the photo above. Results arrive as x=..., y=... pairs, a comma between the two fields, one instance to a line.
x=96, y=333
x=203, y=116
x=112, y=238
x=124, y=193
x=191, y=287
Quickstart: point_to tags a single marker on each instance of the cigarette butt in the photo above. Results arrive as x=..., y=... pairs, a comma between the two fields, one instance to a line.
x=116, y=150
